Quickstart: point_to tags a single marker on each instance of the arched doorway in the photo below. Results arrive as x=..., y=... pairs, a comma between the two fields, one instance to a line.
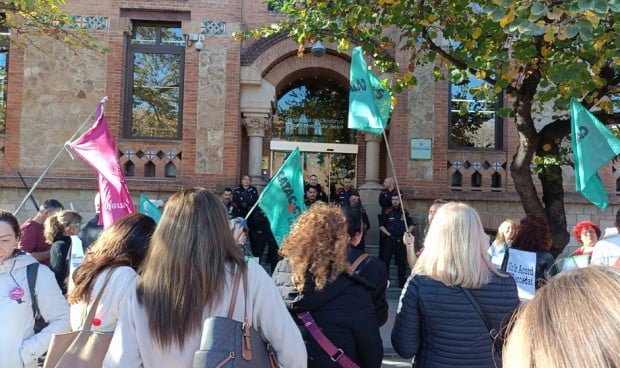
x=311, y=113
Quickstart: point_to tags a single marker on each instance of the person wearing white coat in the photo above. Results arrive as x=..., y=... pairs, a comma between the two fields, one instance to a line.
x=19, y=345
x=119, y=250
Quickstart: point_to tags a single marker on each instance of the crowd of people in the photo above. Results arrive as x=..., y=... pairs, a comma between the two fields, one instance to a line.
x=159, y=282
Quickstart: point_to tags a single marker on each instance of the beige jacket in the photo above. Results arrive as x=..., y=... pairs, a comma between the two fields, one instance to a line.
x=132, y=346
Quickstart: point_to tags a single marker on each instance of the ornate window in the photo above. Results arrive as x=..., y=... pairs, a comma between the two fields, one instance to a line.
x=474, y=122
x=154, y=83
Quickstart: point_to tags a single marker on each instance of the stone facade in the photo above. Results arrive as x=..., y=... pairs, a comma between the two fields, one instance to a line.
x=229, y=91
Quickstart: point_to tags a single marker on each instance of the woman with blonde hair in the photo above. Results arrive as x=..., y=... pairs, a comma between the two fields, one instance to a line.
x=503, y=239
x=186, y=277
x=315, y=278
x=118, y=252
x=58, y=229
x=552, y=331
x=453, y=293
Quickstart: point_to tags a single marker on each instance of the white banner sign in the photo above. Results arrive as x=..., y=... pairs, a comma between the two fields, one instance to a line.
x=522, y=267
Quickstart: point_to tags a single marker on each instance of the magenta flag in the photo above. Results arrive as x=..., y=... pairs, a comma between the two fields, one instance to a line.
x=98, y=149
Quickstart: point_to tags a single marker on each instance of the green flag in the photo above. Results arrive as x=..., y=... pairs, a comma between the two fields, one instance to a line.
x=282, y=200
x=370, y=103
x=148, y=208
x=593, y=146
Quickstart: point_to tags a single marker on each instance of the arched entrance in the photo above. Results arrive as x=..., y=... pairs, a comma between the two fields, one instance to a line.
x=311, y=113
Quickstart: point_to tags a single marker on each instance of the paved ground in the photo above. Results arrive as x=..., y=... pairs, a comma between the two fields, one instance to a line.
x=390, y=358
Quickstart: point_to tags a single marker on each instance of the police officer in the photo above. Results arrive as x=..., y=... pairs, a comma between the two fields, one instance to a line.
x=393, y=227
x=261, y=237
x=245, y=196
x=343, y=195
x=231, y=207
x=313, y=182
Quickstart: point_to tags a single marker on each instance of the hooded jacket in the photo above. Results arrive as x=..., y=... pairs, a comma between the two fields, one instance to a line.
x=19, y=346
x=344, y=312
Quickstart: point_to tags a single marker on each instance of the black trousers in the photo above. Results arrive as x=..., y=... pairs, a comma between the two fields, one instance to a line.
x=397, y=248
x=261, y=239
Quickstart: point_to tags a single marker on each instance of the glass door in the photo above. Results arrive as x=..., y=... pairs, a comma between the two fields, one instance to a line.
x=329, y=162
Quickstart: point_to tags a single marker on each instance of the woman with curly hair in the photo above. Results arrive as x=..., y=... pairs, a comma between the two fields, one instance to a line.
x=550, y=331
x=119, y=250
x=58, y=229
x=315, y=277
x=533, y=235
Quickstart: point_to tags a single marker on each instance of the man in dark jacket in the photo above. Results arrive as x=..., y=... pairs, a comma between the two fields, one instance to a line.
x=342, y=195
x=393, y=226
x=245, y=195
x=313, y=182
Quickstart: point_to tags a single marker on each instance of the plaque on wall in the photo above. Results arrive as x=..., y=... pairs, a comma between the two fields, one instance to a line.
x=421, y=148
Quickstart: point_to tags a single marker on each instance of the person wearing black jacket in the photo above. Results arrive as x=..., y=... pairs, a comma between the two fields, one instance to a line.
x=314, y=277
x=393, y=226
x=371, y=269
x=313, y=182
x=58, y=230
x=245, y=196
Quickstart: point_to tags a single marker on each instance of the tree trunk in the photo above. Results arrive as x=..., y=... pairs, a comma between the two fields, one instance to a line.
x=529, y=143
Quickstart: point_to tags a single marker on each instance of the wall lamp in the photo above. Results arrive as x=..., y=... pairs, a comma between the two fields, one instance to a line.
x=197, y=38
x=318, y=49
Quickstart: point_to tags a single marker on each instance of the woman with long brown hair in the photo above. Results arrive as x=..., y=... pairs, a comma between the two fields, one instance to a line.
x=58, y=229
x=120, y=249
x=186, y=277
x=315, y=276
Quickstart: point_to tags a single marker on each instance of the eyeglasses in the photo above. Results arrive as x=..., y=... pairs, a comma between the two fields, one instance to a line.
x=78, y=224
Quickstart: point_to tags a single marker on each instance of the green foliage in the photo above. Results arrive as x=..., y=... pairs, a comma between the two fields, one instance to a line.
x=571, y=44
x=32, y=20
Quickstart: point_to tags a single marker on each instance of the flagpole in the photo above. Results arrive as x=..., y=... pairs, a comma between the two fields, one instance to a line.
x=49, y=166
x=411, y=257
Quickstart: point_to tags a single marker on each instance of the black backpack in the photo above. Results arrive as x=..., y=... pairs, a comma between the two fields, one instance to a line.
x=31, y=273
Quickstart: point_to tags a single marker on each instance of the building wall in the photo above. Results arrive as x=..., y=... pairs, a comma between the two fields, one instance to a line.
x=51, y=95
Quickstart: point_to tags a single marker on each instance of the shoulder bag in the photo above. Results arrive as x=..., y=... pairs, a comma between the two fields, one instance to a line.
x=80, y=349
x=493, y=333
x=227, y=343
x=334, y=353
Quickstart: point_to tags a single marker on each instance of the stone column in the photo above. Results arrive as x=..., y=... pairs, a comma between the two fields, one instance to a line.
x=373, y=149
x=256, y=126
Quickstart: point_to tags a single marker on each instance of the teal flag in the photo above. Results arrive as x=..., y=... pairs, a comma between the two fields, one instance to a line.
x=282, y=200
x=148, y=208
x=370, y=103
x=593, y=146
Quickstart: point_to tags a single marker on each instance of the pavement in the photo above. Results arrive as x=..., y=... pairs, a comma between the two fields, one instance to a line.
x=390, y=358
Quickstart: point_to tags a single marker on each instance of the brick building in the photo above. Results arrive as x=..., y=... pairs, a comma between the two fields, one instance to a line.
x=185, y=118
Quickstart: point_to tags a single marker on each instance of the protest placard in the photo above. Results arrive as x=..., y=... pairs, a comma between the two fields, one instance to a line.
x=522, y=266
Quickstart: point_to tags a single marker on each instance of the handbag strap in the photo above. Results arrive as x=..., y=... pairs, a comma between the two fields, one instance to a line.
x=493, y=333
x=233, y=297
x=335, y=354
x=93, y=309
x=359, y=261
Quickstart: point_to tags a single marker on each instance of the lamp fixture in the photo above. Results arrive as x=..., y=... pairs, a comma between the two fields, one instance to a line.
x=318, y=49
x=192, y=38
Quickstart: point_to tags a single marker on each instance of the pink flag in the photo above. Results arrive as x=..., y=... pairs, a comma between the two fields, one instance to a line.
x=97, y=148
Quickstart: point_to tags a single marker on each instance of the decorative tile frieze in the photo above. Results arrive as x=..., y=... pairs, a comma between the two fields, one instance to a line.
x=90, y=22
x=216, y=27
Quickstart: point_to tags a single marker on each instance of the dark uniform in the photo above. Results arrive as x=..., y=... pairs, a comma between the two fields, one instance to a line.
x=342, y=196
x=393, y=222
x=320, y=195
x=244, y=199
x=90, y=232
x=385, y=202
x=261, y=238
x=232, y=209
